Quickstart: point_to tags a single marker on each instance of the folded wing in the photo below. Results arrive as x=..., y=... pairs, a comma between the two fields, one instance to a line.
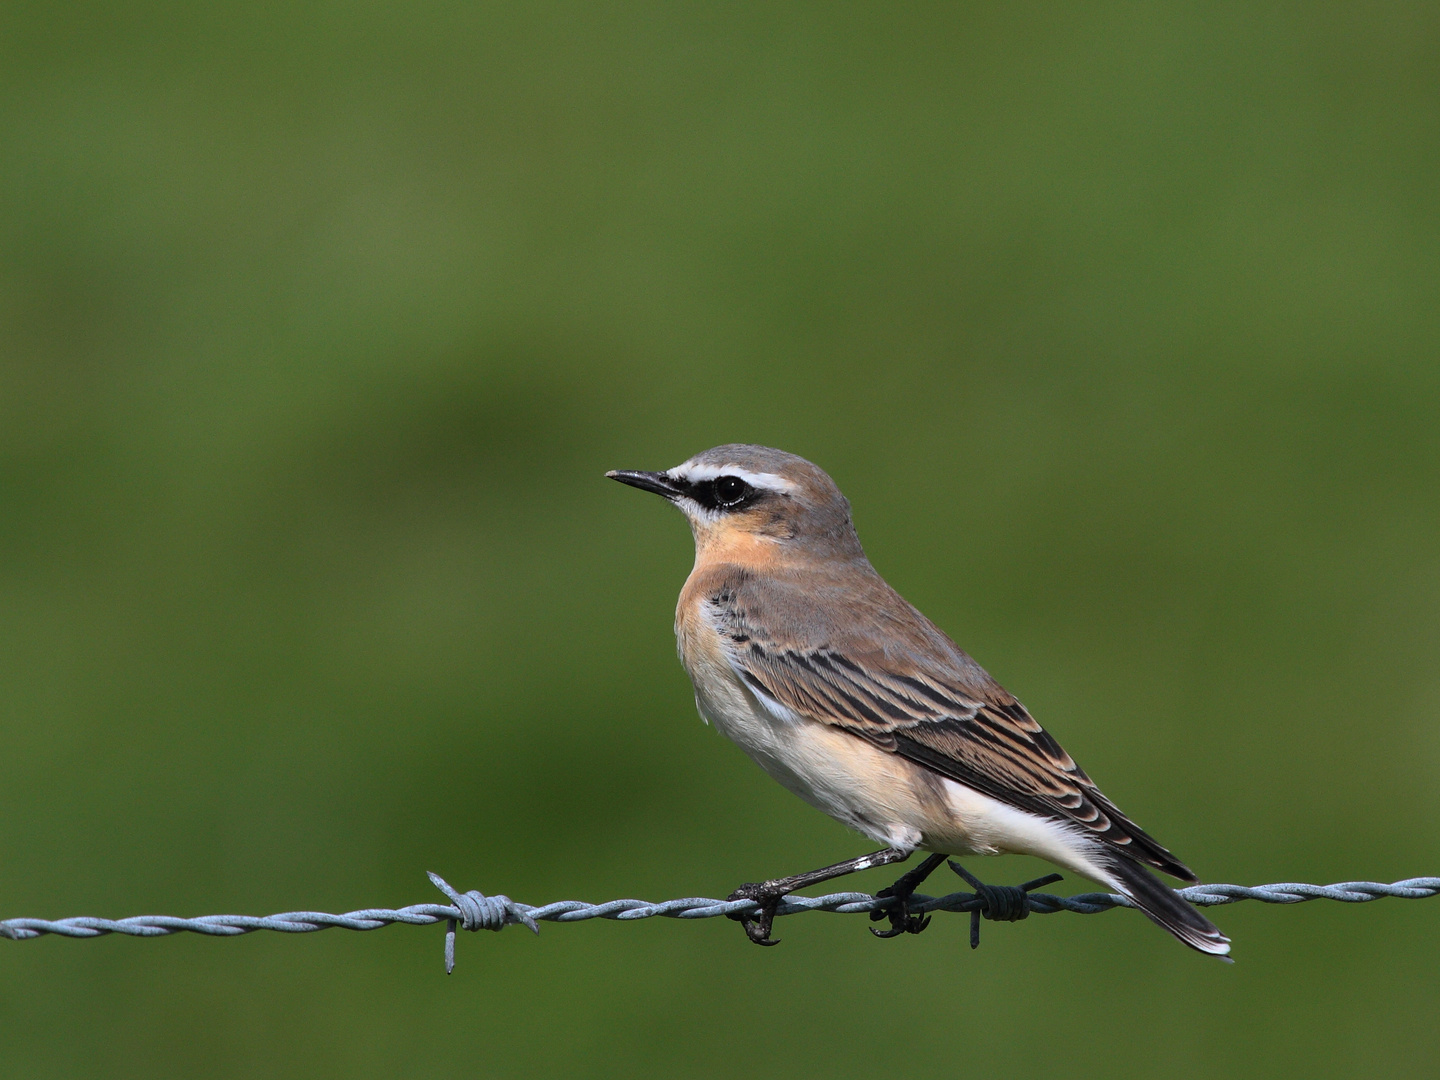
x=979, y=736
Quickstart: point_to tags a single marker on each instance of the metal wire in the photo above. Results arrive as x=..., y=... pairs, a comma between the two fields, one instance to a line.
x=475, y=911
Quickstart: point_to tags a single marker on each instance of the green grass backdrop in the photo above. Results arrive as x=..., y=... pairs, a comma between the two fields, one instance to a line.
x=320, y=323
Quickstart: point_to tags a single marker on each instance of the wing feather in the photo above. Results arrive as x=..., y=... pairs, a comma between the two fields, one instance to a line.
x=979, y=736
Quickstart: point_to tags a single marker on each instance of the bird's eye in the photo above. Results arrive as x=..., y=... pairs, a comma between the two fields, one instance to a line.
x=729, y=490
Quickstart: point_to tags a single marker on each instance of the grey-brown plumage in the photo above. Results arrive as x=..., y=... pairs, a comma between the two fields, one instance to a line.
x=855, y=701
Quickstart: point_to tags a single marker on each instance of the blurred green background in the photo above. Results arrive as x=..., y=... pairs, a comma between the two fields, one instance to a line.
x=1116, y=322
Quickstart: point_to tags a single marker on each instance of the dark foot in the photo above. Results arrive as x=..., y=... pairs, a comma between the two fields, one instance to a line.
x=768, y=894
x=901, y=921
x=758, y=923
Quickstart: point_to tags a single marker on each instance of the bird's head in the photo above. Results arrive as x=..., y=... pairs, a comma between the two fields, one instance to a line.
x=739, y=496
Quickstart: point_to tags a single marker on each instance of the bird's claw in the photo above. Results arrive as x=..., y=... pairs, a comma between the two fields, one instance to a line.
x=901, y=921
x=758, y=923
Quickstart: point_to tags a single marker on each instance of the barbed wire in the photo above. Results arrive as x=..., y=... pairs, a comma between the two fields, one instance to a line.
x=475, y=911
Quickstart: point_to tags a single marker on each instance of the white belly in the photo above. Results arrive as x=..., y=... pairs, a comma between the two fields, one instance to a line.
x=830, y=769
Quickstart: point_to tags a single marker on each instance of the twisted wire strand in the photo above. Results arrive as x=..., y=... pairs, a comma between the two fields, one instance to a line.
x=475, y=911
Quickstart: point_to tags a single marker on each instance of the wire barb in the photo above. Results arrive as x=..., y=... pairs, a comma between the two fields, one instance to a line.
x=999, y=903
x=476, y=911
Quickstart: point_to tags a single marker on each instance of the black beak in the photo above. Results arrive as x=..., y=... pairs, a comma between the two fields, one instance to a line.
x=657, y=482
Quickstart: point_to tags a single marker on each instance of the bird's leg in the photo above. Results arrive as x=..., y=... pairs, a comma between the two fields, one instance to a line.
x=768, y=894
x=901, y=921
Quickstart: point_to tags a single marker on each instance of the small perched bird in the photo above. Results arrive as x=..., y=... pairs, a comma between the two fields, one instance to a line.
x=856, y=702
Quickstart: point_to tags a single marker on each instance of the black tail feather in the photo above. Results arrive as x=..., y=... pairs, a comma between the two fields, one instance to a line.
x=1165, y=907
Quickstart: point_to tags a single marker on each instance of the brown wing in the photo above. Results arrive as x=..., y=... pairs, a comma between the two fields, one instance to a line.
x=981, y=737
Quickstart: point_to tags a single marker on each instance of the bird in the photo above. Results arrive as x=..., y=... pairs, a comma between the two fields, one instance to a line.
x=849, y=697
